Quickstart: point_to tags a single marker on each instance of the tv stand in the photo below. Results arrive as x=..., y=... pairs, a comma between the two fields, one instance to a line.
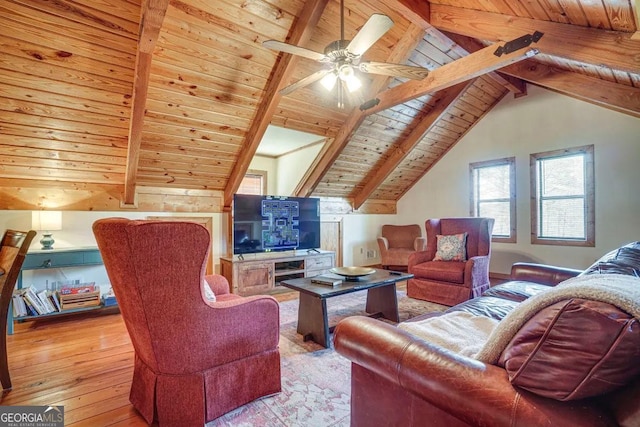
x=262, y=273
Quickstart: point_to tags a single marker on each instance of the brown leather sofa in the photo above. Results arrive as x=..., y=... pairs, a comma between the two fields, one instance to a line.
x=573, y=363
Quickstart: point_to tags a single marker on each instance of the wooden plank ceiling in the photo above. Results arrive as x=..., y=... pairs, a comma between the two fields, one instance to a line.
x=169, y=98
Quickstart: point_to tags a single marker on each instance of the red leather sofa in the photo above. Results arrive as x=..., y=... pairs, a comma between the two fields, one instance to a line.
x=574, y=363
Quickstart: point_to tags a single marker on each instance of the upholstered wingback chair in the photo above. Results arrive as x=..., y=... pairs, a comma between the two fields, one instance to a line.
x=397, y=242
x=13, y=250
x=195, y=358
x=444, y=275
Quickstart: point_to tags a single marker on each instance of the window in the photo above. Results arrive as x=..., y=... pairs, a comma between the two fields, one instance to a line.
x=563, y=206
x=493, y=195
x=254, y=182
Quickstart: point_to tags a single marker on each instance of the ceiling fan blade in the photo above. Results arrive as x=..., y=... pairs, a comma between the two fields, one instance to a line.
x=305, y=82
x=370, y=32
x=294, y=50
x=394, y=70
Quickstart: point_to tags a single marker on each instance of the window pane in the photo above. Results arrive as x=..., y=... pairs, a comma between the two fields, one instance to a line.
x=251, y=184
x=563, y=218
x=494, y=182
x=562, y=176
x=501, y=212
x=493, y=195
x=563, y=209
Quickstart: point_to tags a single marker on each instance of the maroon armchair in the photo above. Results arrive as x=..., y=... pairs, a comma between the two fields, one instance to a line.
x=450, y=282
x=195, y=359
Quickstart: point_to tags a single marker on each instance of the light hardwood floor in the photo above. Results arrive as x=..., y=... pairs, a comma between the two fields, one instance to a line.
x=83, y=362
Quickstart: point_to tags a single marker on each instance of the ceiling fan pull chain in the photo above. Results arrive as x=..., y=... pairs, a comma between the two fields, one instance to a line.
x=341, y=22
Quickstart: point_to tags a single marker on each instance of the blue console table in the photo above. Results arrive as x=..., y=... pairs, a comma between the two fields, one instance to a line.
x=56, y=258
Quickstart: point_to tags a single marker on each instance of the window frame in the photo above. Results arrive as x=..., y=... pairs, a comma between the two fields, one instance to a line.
x=263, y=176
x=589, y=196
x=511, y=162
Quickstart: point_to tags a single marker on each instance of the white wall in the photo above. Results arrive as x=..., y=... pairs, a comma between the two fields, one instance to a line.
x=541, y=121
x=270, y=165
x=292, y=167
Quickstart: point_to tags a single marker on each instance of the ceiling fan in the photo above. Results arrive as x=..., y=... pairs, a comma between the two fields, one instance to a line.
x=343, y=58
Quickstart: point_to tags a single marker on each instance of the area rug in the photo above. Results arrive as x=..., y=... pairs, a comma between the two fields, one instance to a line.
x=316, y=381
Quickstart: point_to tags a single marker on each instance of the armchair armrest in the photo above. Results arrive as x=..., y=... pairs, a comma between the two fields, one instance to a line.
x=383, y=244
x=218, y=284
x=420, y=244
x=418, y=258
x=541, y=273
x=469, y=390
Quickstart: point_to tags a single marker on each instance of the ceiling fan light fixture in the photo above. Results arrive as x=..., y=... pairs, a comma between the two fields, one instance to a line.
x=353, y=83
x=329, y=81
x=348, y=75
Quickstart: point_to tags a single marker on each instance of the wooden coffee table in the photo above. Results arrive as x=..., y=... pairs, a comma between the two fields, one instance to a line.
x=382, y=300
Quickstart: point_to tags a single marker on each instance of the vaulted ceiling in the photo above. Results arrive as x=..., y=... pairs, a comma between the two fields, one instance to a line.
x=105, y=101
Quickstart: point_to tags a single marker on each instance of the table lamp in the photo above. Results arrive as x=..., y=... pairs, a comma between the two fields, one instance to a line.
x=46, y=221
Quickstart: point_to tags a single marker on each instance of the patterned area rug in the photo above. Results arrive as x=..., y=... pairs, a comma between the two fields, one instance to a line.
x=316, y=381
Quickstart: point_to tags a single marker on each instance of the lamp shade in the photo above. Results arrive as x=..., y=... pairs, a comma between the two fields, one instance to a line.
x=46, y=220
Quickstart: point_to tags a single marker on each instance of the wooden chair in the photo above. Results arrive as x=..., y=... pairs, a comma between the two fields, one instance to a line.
x=13, y=250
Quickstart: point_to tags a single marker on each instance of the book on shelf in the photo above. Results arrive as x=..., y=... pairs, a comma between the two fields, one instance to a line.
x=46, y=303
x=31, y=296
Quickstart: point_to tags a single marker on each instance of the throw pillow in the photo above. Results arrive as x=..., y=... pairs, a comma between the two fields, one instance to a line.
x=451, y=248
x=208, y=293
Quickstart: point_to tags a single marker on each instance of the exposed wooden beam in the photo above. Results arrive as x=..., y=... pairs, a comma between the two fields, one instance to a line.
x=584, y=44
x=283, y=69
x=516, y=86
x=331, y=150
x=463, y=69
x=469, y=45
x=380, y=172
x=151, y=17
x=419, y=13
x=614, y=96
x=416, y=11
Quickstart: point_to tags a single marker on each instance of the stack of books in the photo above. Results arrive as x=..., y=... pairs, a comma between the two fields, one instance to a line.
x=32, y=302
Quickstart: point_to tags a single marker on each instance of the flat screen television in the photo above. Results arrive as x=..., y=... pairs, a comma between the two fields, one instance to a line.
x=275, y=223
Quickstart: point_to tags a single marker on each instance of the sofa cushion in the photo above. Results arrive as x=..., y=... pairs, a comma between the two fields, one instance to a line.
x=574, y=349
x=398, y=256
x=451, y=247
x=443, y=271
x=624, y=260
x=516, y=290
x=493, y=307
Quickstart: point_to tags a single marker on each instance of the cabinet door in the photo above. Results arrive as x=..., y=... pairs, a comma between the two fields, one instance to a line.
x=255, y=278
